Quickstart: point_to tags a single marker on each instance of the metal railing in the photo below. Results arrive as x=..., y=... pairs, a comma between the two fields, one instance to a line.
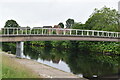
x=58, y=31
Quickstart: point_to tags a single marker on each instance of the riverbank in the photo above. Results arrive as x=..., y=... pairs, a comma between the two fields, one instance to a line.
x=12, y=69
x=41, y=70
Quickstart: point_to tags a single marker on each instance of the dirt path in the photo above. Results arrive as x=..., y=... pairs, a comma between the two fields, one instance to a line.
x=43, y=70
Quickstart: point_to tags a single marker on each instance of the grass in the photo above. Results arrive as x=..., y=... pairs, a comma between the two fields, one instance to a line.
x=12, y=69
x=0, y=66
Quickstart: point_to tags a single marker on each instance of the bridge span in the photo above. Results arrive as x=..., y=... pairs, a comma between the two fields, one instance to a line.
x=18, y=38
x=19, y=35
x=46, y=34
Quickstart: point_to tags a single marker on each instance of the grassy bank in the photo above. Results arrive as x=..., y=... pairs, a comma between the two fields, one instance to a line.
x=0, y=66
x=12, y=69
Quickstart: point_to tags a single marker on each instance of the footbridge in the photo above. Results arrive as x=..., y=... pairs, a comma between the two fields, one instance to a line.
x=19, y=35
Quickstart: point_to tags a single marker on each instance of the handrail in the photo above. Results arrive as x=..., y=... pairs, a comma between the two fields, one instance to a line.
x=50, y=28
x=58, y=31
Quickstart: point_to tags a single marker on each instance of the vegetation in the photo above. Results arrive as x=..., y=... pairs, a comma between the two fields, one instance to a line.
x=15, y=70
x=0, y=66
x=61, y=25
x=11, y=23
x=69, y=23
x=104, y=52
x=80, y=58
x=104, y=19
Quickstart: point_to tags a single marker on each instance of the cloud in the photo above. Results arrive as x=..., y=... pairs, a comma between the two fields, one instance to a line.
x=24, y=1
x=49, y=12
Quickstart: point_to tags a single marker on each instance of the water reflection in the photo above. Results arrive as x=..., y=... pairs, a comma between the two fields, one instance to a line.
x=75, y=61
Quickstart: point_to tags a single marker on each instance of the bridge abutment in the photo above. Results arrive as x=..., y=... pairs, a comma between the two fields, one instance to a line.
x=19, y=49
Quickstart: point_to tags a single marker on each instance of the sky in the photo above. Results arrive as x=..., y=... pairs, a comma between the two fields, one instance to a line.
x=38, y=13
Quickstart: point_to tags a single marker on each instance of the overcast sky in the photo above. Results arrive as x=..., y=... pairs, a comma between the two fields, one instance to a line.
x=36, y=13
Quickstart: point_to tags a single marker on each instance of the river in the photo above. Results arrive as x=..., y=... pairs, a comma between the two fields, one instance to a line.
x=84, y=65
x=70, y=60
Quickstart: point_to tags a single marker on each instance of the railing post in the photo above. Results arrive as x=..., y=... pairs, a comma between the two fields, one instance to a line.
x=108, y=34
x=17, y=31
x=87, y=33
x=4, y=30
x=117, y=34
x=56, y=31
x=76, y=32
x=42, y=31
x=7, y=31
x=112, y=34
x=102, y=34
x=70, y=31
x=30, y=31
x=26, y=31
x=98, y=33
x=52, y=30
x=92, y=33
x=48, y=31
x=37, y=31
x=64, y=31
x=34, y=31
x=82, y=32
x=22, y=31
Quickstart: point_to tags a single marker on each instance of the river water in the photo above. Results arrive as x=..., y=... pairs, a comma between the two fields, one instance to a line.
x=73, y=61
x=87, y=65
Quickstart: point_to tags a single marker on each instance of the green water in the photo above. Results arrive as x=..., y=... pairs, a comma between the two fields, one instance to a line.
x=79, y=63
x=76, y=61
x=0, y=62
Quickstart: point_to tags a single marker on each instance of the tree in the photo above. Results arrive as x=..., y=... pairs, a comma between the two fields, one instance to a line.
x=69, y=23
x=77, y=25
x=11, y=23
x=61, y=25
x=103, y=19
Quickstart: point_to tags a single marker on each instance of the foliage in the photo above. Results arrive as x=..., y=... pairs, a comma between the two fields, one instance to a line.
x=61, y=25
x=77, y=25
x=11, y=23
x=103, y=19
x=15, y=70
x=105, y=52
x=6, y=46
x=69, y=23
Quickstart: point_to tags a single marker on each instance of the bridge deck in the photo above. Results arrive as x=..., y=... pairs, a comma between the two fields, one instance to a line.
x=15, y=38
x=47, y=34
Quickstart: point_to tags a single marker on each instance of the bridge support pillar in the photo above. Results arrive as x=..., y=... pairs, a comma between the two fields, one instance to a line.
x=19, y=49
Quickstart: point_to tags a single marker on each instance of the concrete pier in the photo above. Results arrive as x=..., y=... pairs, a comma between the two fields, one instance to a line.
x=19, y=49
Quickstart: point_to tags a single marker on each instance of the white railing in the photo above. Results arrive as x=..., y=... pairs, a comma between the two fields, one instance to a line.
x=58, y=31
